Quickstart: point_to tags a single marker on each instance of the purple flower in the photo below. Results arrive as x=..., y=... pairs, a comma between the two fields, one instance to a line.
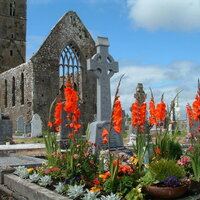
x=67, y=181
x=172, y=182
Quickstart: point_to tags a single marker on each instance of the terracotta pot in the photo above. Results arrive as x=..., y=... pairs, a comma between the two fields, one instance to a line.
x=167, y=192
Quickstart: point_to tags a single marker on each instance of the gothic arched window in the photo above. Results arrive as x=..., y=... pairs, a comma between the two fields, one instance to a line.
x=22, y=88
x=6, y=94
x=70, y=66
x=13, y=91
x=12, y=7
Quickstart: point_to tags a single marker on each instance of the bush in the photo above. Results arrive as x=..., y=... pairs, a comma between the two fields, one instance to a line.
x=175, y=150
x=163, y=169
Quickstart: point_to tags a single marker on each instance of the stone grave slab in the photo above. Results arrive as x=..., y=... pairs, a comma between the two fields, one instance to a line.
x=27, y=128
x=5, y=130
x=20, y=125
x=14, y=160
x=36, y=126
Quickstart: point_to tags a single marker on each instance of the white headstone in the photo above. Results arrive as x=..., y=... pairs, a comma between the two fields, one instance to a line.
x=36, y=126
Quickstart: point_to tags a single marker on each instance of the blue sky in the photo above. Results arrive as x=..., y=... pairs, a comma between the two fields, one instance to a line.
x=155, y=42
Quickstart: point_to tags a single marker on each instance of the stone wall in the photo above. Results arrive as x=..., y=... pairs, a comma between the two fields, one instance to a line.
x=41, y=75
x=20, y=108
x=69, y=30
x=12, y=34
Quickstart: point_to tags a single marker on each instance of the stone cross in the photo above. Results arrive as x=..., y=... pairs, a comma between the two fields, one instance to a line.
x=103, y=66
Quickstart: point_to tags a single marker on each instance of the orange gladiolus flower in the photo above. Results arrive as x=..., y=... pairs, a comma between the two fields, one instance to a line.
x=138, y=114
x=57, y=129
x=71, y=136
x=105, y=140
x=71, y=107
x=189, y=112
x=161, y=111
x=106, y=176
x=157, y=113
x=196, y=108
x=104, y=135
x=152, y=111
x=157, y=151
x=117, y=116
x=50, y=124
x=57, y=114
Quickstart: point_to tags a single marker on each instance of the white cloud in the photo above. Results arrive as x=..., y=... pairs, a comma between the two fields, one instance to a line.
x=180, y=15
x=180, y=75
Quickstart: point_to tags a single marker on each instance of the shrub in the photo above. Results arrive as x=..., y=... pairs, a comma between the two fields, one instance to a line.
x=163, y=169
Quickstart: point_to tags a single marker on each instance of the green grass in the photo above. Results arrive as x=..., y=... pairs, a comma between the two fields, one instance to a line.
x=20, y=140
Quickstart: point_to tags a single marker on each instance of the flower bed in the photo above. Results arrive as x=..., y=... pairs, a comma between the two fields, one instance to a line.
x=82, y=173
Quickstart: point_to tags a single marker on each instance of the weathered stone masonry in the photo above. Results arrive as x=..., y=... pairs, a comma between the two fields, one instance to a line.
x=41, y=74
x=13, y=92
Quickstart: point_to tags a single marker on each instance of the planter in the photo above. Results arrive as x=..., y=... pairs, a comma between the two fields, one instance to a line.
x=7, y=143
x=30, y=190
x=167, y=192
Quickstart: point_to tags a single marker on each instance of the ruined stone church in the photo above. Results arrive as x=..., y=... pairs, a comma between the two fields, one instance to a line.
x=29, y=88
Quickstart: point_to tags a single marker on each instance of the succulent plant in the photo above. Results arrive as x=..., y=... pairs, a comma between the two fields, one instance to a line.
x=60, y=188
x=110, y=197
x=45, y=180
x=21, y=171
x=75, y=191
x=34, y=177
x=91, y=195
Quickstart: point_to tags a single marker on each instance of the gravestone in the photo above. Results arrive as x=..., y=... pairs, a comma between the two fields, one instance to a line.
x=20, y=125
x=103, y=67
x=27, y=128
x=5, y=130
x=36, y=126
x=0, y=114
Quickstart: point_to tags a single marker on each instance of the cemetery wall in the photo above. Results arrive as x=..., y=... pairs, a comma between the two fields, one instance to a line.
x=17, y=92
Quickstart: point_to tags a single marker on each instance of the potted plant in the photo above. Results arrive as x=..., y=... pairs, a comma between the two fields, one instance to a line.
x=166, y=179
x=8, y=140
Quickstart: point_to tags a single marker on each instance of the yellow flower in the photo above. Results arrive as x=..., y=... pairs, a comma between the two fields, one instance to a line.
x=30, y=170
x=101, y=175
x=44, y=163
x=134, y=159
x=146, y=165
